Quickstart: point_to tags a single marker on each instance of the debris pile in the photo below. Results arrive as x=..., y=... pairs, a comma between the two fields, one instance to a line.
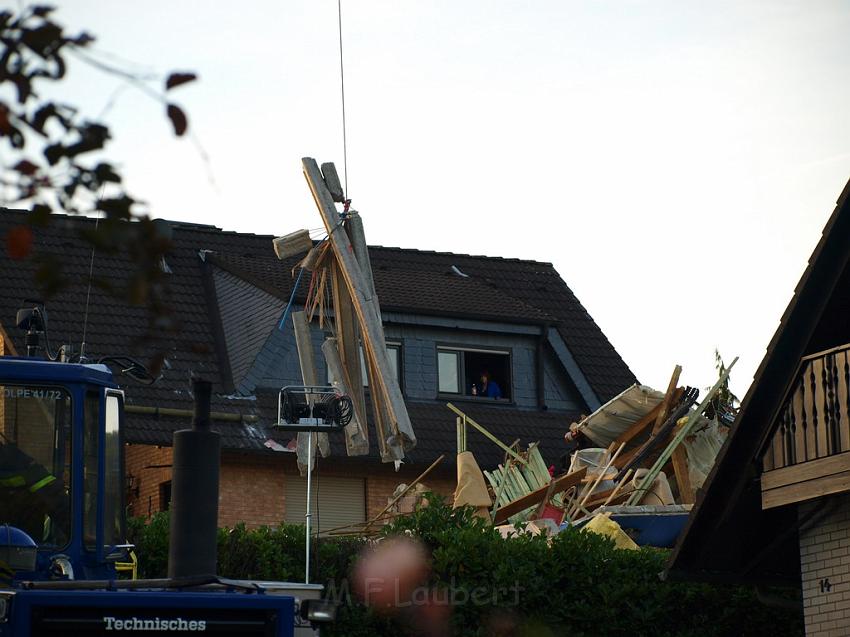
x=636, y=464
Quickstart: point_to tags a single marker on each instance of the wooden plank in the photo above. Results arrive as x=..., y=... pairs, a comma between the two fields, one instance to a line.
x=331, y=178
x=808, y=490
x=347, y=344
x=356, y=432
x=307, y=360
x=799, y=433
x=668, y=399
x=526, y=502
x=387, y=389
x=683, y=478
x=817, y=370
x=842, y=397
x=805, y=471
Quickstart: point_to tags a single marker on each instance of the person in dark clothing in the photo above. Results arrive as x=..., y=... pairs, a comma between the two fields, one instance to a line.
x=488, y=387
x=30, y=495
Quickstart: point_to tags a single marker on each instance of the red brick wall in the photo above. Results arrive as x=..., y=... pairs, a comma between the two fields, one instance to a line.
x=252, y=486
x=143, y=463
x=380, y=487
x=251, y=491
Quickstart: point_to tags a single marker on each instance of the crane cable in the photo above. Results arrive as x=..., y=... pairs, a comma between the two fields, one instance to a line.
x=342, y=96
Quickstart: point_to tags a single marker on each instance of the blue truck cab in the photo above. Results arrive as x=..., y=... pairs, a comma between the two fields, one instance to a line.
x=62, y=525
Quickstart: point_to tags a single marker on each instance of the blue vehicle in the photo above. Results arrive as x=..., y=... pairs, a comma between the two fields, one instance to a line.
x=62, y=522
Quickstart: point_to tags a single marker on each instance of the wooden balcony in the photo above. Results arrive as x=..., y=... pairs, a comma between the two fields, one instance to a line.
x=809, y=454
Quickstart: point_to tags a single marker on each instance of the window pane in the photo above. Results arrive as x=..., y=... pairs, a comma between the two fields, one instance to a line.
x=447, y=366
x=113, y=496
x=393, y=351
x=91, y=446
x=35, y=458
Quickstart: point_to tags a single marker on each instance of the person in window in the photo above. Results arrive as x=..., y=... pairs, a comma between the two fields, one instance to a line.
x=488, y=387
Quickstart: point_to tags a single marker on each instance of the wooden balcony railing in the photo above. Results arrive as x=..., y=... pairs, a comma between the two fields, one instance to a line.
x=814, y=421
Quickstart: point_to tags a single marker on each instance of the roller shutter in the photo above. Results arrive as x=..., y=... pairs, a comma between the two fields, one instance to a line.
x=340, y=500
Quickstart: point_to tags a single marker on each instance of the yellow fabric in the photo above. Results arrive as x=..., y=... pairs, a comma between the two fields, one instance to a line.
x=604, y=525
x=471, y=488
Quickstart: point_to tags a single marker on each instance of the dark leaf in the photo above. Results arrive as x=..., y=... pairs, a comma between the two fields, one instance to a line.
x=48, y=276
x=40, y=215
x=84, y=39
x=116, y=207
x=26, y=167
x=138, y=290
x=92, y=137
x=5, y=124
x=5, y=16
x=176, y=79
x=44, y=40
x=19, y=242
x=178, y=119
x=42, y=10
x=23, y=84
x=39, y=119
x=54, y=153
x=155, y=364
x=17, y=139
x=104, y=172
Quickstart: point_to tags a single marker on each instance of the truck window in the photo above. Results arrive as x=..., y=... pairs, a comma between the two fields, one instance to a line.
x=91, y=449
x=113, y=504
x=35, y=462
x=112, y=484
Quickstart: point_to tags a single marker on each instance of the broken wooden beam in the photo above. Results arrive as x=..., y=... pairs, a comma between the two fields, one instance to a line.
x=356, y=432
x=669, y=399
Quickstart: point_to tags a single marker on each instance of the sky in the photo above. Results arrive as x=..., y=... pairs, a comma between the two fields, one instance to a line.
x=676, y=160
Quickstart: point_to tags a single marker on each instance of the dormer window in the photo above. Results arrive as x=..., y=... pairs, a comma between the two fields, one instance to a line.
x=482, y=373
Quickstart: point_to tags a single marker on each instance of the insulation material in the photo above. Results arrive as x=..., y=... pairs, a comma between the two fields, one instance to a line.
x=702, y=448
x=471, y=489
x=658, y=493
x=618, y=414
x=604, y=525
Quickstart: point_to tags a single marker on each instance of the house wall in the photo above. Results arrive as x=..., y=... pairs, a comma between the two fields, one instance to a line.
x=147, y=468
x=825, y=568
x=253, y=485
x=277, y=364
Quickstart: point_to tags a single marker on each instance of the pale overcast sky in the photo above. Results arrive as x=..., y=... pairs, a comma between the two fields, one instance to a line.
x=676, y=160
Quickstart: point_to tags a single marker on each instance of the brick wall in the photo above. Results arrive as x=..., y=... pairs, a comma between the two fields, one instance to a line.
x=253, y=486
x=251, y=491
x=380, y=487
x=825, y=568
x=145, y=470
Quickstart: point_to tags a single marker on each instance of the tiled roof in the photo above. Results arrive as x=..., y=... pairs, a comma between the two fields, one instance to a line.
x=434, y=423
x=500, y=289
x=406, y=280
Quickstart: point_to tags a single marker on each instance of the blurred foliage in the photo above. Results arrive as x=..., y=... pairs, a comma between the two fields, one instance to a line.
x=51, y=159
x=575, y=584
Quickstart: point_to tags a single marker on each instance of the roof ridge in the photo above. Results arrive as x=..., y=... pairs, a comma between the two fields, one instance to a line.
x=461, y=254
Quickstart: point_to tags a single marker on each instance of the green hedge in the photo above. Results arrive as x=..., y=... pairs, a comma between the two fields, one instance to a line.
x=577, y=584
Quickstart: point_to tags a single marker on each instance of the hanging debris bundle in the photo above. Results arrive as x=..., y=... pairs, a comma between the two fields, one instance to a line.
x=342, y=290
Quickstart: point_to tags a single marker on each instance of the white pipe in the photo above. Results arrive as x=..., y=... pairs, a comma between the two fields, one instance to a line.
x=307, y=515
